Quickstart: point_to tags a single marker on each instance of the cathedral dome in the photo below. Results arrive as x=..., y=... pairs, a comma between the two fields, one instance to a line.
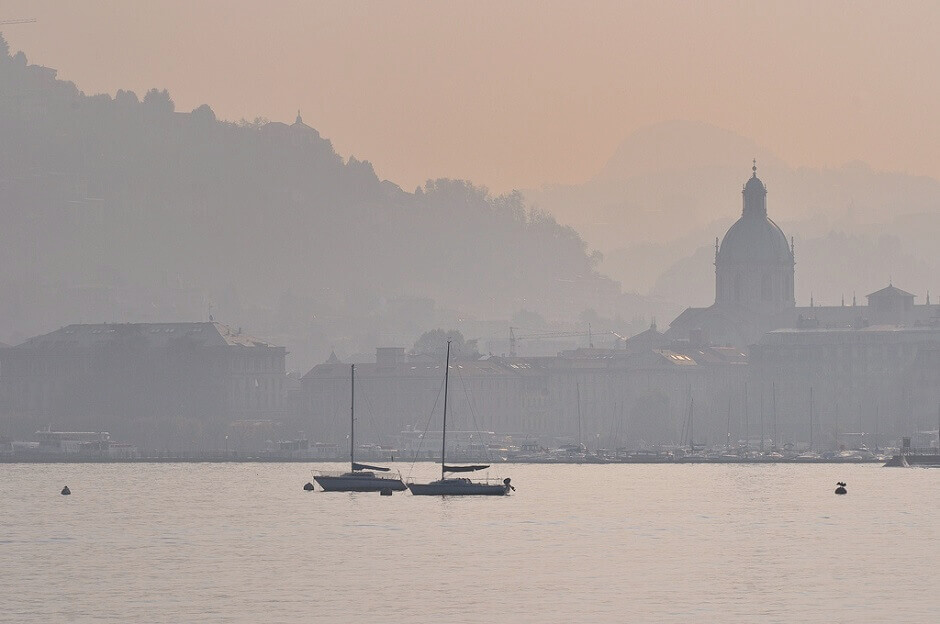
x=757, y=239
x=754, y=263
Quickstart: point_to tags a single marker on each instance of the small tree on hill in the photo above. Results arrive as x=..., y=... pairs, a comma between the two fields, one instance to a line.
x=434, y=343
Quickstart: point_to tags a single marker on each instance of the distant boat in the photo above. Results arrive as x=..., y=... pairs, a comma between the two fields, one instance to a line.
x=361, y=477
x=457, y=486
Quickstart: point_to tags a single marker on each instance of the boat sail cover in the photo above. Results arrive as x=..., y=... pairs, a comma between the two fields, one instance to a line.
x=464, y=468
x=356, y=466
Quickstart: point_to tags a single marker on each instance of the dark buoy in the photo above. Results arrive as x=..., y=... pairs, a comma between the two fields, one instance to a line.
x=508, y=486
x=66, y=491
x=841, y=489
x=385, y=491
x=308, y=487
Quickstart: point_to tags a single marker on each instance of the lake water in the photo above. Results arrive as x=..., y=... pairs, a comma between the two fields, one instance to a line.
x=649, y=543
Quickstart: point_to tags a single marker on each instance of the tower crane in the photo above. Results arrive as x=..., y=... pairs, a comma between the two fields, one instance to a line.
x=513, y=338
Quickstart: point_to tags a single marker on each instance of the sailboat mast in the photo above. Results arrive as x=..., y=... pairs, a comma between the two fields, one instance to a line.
x=444, y=427
x=729, y=421
x=811, y=418
x=577, y=388
x=747, y=439
x=352, y=417
x=773, y=389
x=762, y=418
x=691, y=426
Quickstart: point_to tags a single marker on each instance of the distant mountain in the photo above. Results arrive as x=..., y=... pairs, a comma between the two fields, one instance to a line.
x=662, y=182
x=669, y=190
x=120, y=208
x=682, y=146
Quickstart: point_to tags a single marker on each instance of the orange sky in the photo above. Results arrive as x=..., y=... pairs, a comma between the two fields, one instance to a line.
x=518, y=94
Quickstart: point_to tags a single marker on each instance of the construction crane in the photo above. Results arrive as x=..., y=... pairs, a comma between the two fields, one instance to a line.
x=513, y=338
x=28, y=20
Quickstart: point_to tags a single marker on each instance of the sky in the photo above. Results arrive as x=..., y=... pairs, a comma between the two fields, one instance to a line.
x=521, y=94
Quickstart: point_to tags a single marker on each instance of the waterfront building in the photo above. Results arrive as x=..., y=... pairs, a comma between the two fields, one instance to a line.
x=636, y=395
x=398, y=393
x=877, y=382
x=160, y=385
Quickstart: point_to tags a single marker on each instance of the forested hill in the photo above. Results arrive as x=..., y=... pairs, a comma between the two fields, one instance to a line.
x=122, y=208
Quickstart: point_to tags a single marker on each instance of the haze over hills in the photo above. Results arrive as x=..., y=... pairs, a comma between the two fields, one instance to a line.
x=122, y=209
x=656, y=207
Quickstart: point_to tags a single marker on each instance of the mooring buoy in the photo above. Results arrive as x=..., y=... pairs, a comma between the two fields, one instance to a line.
x=308, y=487
x=66, y=491
x=841, y=489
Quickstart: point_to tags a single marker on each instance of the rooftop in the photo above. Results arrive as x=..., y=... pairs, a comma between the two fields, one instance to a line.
x=208, y=334
x=891, y=291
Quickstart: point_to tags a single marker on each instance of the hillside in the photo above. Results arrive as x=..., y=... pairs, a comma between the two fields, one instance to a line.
x=124, y=209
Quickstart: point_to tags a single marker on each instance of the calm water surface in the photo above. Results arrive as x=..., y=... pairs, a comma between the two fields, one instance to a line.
x=668, y=543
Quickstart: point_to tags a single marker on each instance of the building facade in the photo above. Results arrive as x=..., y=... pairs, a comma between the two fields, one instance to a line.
x=874, y=383
x=635, y=396
x=159, y=385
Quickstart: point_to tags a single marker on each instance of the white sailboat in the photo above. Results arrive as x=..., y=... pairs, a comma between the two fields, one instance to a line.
x=457, y=486
x=361, y=477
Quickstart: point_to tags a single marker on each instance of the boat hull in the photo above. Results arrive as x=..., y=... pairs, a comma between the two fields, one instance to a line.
x=458, y=487
x=358, y=483
x=914, y=459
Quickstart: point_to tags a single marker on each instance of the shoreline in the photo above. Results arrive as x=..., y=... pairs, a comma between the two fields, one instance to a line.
x=291, y=460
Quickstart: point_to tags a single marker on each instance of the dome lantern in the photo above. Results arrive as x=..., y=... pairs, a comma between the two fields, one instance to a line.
x=755, y=196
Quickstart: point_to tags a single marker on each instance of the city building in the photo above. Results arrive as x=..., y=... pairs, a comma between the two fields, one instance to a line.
x=399, y=393
x=877, y=382
x=817, y=373
x=754, y=273
x=754, y=285
x=638, y=395
x=158, y=385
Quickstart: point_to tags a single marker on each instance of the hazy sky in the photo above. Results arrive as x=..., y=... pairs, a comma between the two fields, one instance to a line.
x=518, y=94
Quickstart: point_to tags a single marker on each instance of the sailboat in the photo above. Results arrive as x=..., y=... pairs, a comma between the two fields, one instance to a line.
x=457, y=486
x=361, y=477
x=694, y=454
